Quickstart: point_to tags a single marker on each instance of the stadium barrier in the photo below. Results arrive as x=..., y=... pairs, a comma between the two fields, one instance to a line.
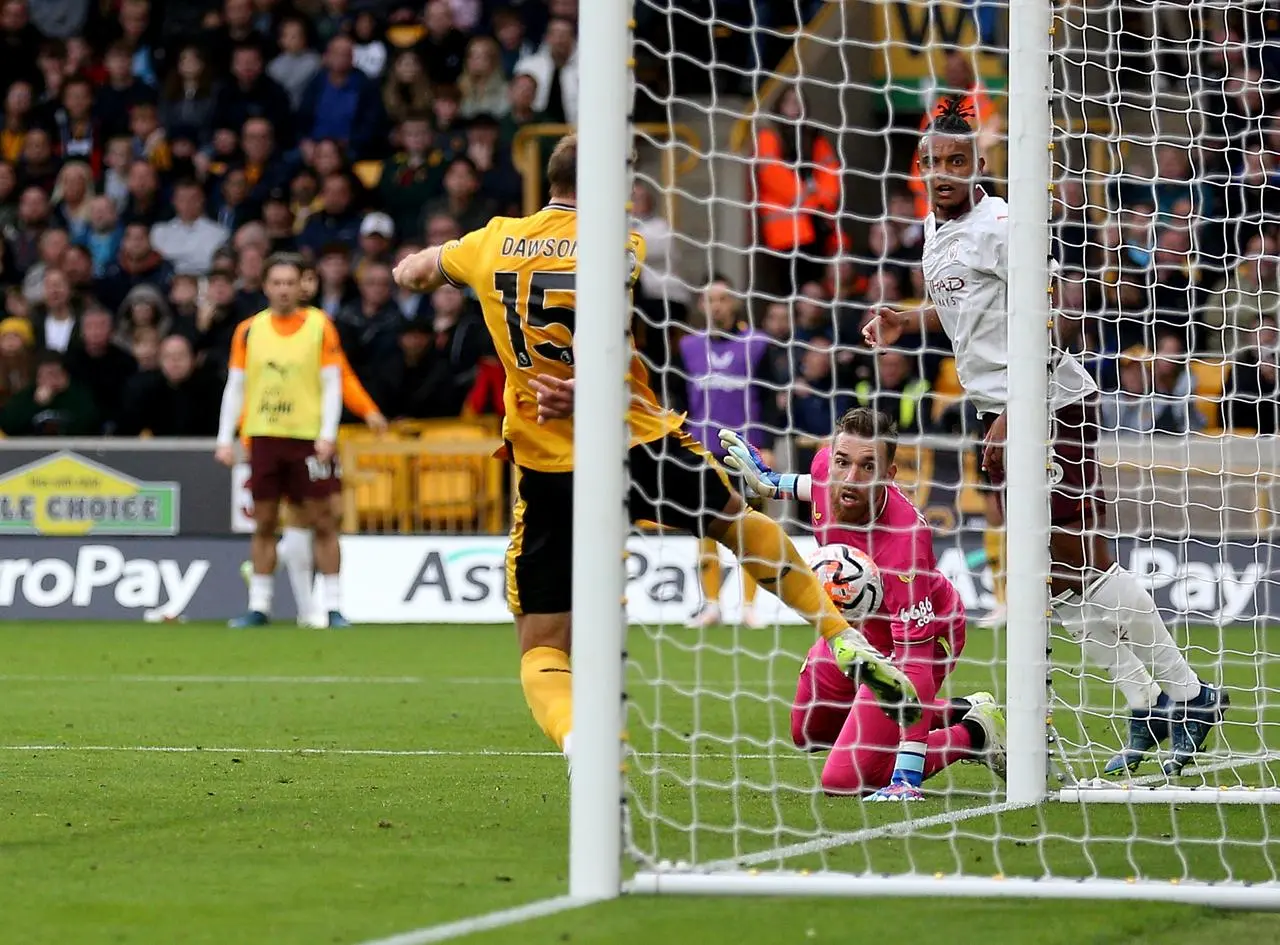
x=451, y=579
x=441, y=477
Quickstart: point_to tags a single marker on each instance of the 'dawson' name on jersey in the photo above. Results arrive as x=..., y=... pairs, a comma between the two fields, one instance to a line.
x=528, y=248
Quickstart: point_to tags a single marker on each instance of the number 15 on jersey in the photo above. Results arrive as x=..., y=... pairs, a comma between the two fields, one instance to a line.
x=530, y=300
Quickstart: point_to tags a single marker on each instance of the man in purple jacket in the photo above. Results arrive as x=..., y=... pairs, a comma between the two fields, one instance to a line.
x=726, y=376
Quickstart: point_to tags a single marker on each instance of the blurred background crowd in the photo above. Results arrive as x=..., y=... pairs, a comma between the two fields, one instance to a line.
x=152, y=156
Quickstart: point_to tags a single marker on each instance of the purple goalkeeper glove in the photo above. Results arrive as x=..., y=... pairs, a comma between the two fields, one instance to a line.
x=745, y=459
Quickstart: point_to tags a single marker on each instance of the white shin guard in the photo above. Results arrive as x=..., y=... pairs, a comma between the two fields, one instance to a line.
x=1143, y=629
x=1096, y=631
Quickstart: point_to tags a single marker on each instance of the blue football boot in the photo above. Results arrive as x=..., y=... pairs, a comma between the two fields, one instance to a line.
x=337, y=621
x=1147, y=729
x=254, y=618
x=1193, y=721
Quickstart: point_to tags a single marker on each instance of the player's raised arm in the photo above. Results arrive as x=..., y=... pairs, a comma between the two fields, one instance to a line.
x=744, y=458
x=421, y=271
x=884, y=326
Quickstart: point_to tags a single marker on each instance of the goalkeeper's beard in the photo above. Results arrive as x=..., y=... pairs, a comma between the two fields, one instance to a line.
x=858, y=512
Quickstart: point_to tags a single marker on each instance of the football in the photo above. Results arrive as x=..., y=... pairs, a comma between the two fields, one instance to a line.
x=850, y=578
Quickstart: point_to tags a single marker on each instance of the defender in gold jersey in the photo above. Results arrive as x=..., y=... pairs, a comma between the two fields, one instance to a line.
x=285, y=380
x=523, y=272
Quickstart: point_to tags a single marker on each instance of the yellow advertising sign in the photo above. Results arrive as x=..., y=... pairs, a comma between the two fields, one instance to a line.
x=66, y=494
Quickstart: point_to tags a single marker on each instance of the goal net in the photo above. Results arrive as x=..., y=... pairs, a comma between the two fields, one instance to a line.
x=802, y=211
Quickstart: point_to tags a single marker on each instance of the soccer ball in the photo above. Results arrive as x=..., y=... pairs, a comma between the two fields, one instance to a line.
x=850, y=578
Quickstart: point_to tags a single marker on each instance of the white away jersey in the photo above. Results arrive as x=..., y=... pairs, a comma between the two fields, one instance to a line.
x=965, y=271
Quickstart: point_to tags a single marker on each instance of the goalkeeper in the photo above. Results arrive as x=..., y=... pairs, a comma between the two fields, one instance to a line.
x=920, y=625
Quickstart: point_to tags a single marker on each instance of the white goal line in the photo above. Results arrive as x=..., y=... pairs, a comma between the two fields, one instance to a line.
x=1121, y=791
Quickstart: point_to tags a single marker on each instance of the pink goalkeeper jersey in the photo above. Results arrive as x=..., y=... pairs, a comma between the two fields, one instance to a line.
x=919, y=603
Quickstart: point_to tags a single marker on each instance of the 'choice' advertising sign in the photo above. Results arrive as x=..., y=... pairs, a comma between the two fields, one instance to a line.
x=447, y=579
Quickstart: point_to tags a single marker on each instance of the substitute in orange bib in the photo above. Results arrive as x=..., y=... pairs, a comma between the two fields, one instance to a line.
x=286, y=377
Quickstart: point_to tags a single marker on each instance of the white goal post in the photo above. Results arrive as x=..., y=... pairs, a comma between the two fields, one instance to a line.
x=684, y=778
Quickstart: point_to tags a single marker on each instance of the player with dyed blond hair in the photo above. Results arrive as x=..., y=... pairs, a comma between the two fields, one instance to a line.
x=523, y=272
x=1099, y=603
x=920, y=624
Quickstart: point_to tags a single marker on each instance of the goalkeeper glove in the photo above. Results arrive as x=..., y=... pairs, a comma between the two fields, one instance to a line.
x=745, y=459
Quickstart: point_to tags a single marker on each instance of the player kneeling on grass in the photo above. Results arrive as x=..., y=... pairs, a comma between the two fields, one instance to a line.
x=919, y=623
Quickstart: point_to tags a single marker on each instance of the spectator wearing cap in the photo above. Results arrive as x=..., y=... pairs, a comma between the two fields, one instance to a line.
x=251, y=93
x=555, y=67
x=176, y=399
x=341, y=103
x=136, y=263
x=190, y=239
x=377, y=232
x=121, y=91
x=444, y=47
x=335, y=221
x=499, y=178
x=17, y=365
x=409, y=181
x=462, y=199
x=187, y=97
x=52, y=405
x=100, y=365
x=482, y=84
x=297, y=63
x=370, y=326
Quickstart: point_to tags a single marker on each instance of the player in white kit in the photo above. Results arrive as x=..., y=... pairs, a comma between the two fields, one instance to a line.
x=1098, y=602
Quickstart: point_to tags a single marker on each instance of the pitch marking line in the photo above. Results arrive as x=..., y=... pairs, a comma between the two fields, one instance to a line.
x=372, y=752
x=685, y=686
x=481, y=923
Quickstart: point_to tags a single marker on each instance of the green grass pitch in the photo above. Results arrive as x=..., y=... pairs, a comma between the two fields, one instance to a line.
x=192, y=784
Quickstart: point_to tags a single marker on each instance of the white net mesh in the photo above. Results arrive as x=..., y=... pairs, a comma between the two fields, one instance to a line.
x=1163, y=225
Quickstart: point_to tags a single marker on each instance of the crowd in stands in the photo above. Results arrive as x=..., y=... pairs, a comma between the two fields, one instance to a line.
x=153, y=156
x=151, y=160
